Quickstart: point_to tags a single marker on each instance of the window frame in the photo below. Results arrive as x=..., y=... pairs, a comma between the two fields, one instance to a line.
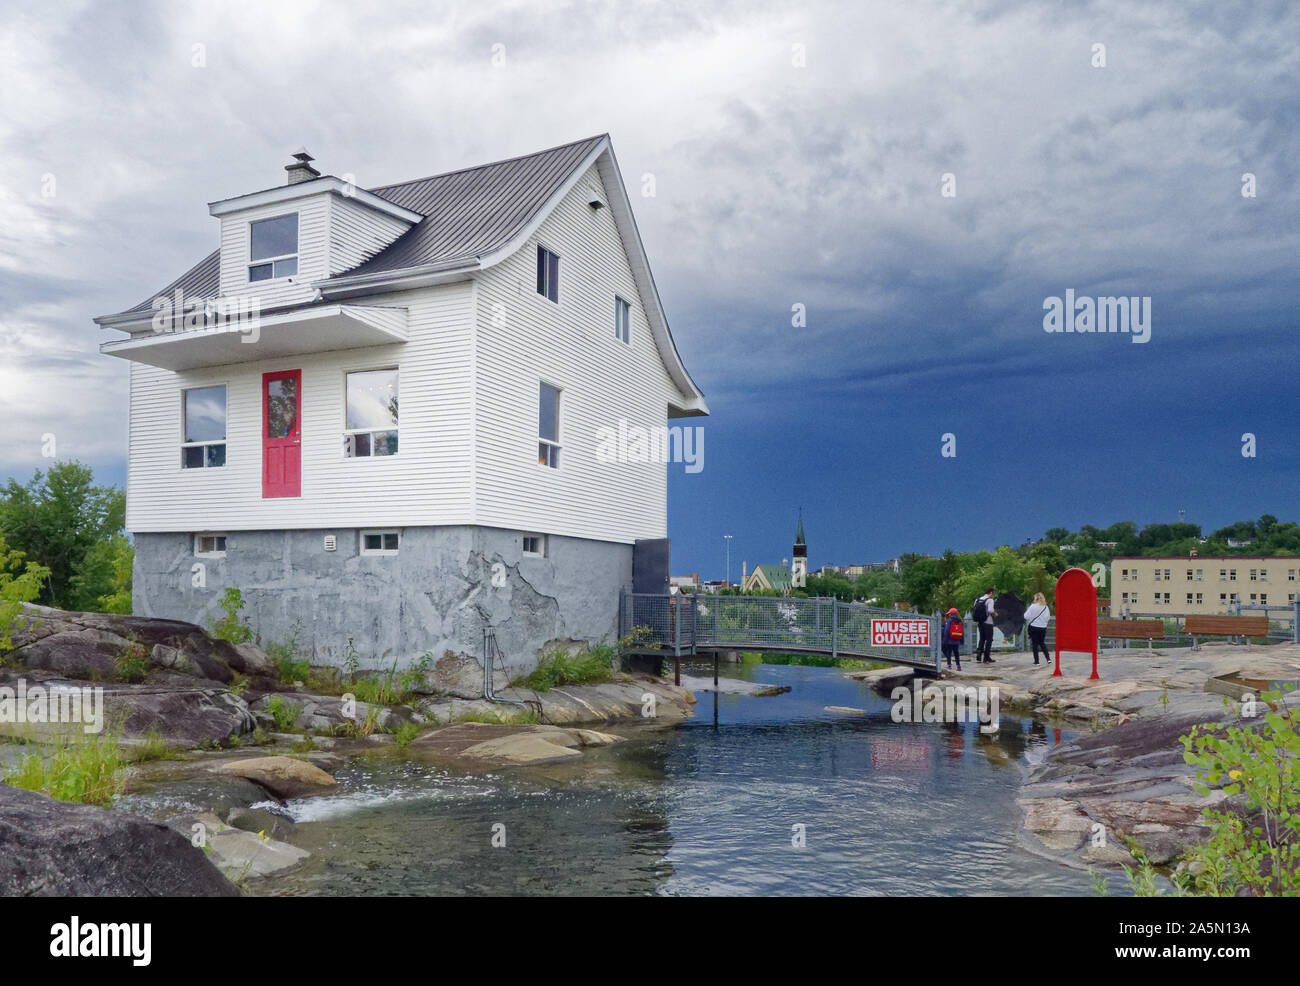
x=279, y=258
x=540, y=539
x=381, y=533
x=622, y=320
x=548, y=273
x=215, y=552
x=554, y=447
x=347, y=432
x=224, y=442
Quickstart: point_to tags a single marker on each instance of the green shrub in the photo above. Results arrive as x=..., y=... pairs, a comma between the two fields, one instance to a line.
x=1262, y=763
x=155, y=748
x=588, y=666
x=284, y=657
x=284, y=713
x=229, y=627
x=131, y=664
x=405, y=733
x=84, y=768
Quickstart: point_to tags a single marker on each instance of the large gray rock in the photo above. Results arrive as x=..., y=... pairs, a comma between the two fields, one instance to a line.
x=458, y=676
x=50, y=848
x=477, y=744
x=88, y=646
x=178, y=712
x=283, y=777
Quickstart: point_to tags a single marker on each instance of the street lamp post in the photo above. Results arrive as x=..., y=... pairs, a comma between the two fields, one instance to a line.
x=727, y=538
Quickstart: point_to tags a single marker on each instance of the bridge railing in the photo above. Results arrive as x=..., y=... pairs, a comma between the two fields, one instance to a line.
x=684, y=622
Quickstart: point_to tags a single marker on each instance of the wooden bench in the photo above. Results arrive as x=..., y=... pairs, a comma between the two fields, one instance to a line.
x=1147, y=630
x=1226, y=626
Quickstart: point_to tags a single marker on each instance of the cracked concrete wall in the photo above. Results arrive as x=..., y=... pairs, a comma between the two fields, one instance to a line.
x=436, y=594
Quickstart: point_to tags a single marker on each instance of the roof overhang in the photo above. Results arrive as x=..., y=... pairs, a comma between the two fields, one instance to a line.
x=322, y=328
x=325, y=184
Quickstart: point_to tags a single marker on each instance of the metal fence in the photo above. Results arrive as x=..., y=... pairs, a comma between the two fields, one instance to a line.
x=681, y=624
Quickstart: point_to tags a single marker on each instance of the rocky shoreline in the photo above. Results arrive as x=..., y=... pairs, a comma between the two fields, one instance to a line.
x=220, y=716
x=1125, y=778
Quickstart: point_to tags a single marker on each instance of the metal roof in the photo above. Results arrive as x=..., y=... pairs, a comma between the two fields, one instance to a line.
x=472, y=212
x=468, y=213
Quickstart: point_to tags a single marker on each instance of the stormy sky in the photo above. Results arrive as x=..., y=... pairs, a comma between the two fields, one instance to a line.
x=798, y=154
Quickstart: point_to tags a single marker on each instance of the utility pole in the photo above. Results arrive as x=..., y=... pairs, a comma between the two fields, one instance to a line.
x=727, y=538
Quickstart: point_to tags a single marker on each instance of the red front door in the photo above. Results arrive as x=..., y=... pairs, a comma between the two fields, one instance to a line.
x=282, y=433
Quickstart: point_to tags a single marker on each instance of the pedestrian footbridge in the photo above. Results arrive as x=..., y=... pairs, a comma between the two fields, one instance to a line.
x=688, y=623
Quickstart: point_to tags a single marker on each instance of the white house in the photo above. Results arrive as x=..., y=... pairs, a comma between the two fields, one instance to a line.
x=508, y=310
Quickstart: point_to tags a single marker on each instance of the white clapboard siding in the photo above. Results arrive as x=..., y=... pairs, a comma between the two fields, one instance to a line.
x=427, y=482
x=524, y=338
x=358, y=232
x=313, y=249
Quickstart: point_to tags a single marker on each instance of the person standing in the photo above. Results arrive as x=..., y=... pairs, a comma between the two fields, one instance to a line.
x=1037, y=616
x=953, y=632
x=982, y=613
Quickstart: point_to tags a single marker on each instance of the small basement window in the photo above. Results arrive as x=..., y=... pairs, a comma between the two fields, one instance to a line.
x=203, y=427
x=548, y=274
x=209, y=546
x=535, y=545
x=379, y=542
x=273, y=248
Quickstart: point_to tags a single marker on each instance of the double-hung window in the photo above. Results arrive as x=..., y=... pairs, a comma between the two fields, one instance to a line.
x=273, y=248
x=548, y=426
x=371, y=419
x=203, y=410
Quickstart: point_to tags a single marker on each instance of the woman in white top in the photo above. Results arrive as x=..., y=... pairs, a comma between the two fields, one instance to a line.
x=1038, y=616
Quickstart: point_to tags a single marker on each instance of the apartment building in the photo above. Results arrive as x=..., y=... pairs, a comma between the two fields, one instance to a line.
x=1200, y=585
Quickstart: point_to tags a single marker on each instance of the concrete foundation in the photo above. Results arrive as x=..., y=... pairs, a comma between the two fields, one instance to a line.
x=437, y=594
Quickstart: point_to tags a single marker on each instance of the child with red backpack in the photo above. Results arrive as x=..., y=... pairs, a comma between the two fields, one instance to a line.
x=954, y=631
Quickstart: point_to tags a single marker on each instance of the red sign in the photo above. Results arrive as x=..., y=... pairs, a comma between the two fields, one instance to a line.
x=900, y=633
x=1076, y=617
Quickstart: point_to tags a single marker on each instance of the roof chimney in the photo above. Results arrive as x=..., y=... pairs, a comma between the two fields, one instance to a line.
x=301, y=170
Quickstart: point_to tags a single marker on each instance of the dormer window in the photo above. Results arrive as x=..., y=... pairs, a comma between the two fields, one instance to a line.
x=273, y=248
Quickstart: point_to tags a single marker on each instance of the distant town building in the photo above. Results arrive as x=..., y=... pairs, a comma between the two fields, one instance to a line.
x=1202, y=585
x=690, y=581
x=767, y=577
x=856, y=571
x=799, y=563
x=1234, y=543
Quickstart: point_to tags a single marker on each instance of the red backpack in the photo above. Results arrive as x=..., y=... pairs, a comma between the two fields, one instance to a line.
x=956, y=629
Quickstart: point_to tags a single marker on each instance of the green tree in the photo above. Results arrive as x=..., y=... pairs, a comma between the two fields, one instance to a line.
x=57, y=518
x=20, y=582
x=103, y=584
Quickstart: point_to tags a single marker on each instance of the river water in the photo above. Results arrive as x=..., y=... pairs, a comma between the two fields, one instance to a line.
x=710, y=807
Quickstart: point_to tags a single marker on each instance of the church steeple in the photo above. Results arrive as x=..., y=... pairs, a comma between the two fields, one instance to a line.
x=799, y=561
